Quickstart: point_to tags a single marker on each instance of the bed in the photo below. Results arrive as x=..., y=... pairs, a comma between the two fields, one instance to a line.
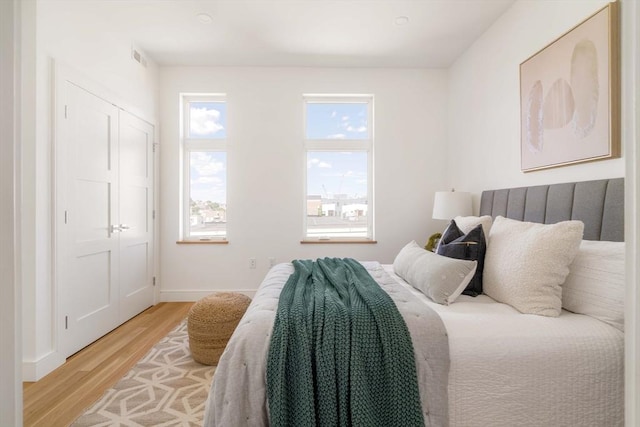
x=502, y=367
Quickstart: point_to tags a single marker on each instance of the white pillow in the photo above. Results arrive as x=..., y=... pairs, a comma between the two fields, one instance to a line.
x=468, y=223
x=595, y=284
x=527, y=262
x=439, y=277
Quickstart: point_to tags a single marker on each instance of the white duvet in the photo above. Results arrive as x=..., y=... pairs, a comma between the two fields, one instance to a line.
x=513, y=369
x=506, y=368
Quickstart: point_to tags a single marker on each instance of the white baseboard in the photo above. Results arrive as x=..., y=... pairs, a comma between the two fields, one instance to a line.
x=35, y=370
x=193, y=295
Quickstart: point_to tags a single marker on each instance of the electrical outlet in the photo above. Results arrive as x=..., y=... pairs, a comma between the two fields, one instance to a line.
x=252, y=263
x=272, y=261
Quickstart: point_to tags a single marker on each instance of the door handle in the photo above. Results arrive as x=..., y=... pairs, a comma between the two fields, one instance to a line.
x=118, y=228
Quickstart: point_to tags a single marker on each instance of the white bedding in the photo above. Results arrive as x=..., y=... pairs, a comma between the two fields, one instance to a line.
x=238, y=393
x=513, y=369
x=506, y=368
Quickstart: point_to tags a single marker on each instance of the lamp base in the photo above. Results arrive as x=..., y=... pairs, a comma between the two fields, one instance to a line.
x=432, y=243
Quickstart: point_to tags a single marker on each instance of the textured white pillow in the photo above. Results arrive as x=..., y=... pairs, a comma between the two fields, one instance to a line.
x=527, y=262
x=439, y=277
x=595, y=284
x=468, y=223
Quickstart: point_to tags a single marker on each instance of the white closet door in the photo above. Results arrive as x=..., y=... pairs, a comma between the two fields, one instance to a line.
x=136, y=215
x=87, y=199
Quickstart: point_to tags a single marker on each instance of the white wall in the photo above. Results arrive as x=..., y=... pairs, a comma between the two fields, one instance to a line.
x=484, y=103
x=103, y=57
x=266, y=167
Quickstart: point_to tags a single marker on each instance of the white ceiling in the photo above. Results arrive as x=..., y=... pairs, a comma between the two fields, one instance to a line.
x=337, y=33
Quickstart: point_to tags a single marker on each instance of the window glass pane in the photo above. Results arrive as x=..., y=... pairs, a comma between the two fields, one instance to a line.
x=337, y=121
x=208, y=120
x=208, y=193
x=337, y=204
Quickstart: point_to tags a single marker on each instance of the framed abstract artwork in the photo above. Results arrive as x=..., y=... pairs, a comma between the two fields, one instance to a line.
x=570, y=96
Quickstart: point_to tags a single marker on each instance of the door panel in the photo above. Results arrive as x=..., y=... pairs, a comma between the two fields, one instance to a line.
x=94, y=129
x=136, y=202
x=92, y=284
x=136, y=215
x=135, y=159
x=87, y=181
x=91, y=214
x=134, y=270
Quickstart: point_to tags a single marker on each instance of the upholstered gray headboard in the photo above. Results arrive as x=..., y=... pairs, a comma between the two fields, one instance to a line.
x=599, y=204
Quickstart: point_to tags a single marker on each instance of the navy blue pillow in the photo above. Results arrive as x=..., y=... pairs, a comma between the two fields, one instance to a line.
x=471, y=246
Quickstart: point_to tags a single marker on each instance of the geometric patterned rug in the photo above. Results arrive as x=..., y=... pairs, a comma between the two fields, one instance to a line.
x=165, y=388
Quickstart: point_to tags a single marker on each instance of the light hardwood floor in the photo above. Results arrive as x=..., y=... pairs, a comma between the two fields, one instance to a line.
x=60, y=397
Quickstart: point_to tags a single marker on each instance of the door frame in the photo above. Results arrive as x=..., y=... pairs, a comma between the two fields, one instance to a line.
x=10, y=287
x=631, y=135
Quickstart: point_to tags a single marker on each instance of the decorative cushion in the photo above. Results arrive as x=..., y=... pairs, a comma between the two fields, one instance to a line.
x=527, y=262
x=468, y=223
x=440, y=278
x=595, y=284
x=210, y=323
x=472, y=246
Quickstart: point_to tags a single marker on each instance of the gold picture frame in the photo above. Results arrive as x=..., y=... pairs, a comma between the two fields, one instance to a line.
x=570, y=96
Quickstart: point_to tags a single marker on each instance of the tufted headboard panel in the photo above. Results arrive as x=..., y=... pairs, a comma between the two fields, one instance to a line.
x=599, y=204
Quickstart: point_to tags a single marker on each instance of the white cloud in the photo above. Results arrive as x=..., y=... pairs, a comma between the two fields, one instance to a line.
x=337, y=136
x=334, y=113
x=205, y=166
x=207, y=180
x=318, y=163
x=204, y=122
x=345, y=118
x=360, y=129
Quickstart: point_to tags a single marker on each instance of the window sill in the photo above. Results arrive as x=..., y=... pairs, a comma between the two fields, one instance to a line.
x=330, y=241
x=202, y=242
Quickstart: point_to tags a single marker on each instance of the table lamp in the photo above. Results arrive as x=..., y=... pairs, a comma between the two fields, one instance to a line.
x=447, y=205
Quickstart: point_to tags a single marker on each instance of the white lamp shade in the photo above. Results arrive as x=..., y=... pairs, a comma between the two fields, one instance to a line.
x=449, y=204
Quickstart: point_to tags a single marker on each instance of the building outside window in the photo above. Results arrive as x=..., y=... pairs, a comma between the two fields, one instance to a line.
x=204, y=143
x=339, y=157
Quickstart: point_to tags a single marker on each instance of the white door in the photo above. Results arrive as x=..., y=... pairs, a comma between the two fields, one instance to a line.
x=104, y=216
x=87, y=214
x=136, y=215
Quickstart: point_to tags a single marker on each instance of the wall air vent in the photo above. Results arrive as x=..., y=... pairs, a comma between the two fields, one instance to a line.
x=137, y=56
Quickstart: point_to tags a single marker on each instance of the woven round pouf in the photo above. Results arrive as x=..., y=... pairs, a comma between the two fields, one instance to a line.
x=211, y=322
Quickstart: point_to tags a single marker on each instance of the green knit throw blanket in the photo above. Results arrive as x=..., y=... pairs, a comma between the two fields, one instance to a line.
x=340, y=352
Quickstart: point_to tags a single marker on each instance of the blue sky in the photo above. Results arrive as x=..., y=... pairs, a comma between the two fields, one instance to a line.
x=208, y=171
x=337, y=121
x=331, y=172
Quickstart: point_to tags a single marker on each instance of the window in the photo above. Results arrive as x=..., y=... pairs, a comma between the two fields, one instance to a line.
x=339, y=156
x=204, y=130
